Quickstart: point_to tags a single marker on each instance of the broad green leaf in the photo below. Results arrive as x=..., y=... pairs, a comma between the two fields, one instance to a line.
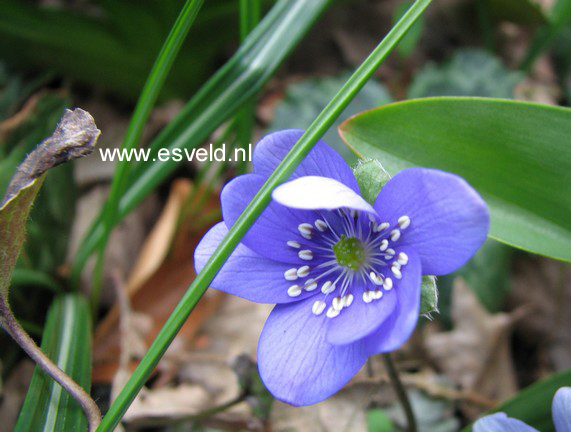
x=305, y=100
x=67, y=341
x=533, y=404
x=470, y=72
x=516, y=154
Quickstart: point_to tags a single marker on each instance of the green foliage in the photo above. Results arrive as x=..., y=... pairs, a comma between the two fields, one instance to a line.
x=219, y=99
x=371, y=177
x=67, y=341
x=470, y=72
x=524, y=12
x=410, y=41
x=113, y=44
x=304, y=101
x=533, y=404
x=378, y=421
x=515, y=154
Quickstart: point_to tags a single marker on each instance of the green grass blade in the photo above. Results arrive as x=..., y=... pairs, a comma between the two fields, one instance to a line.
x=67, y=341
x=145, y=104
x=516, y=154
x=254, y=209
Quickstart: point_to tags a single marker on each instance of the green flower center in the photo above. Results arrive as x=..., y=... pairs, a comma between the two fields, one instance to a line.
x=350, y=253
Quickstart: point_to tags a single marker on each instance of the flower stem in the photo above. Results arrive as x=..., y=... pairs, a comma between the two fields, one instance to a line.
x=401, y=392
x=14, y=329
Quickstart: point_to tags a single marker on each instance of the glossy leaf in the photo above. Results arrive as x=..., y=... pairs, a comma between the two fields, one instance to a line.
x=533, y=404
x=67, y=341
x=516, y=154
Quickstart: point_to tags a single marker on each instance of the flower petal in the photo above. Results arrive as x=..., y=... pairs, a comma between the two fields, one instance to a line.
x=319, y=193
x=277, y=225
x=500, y=422
x=396, y=330
x=322, y=160
x=562, y=410
x=246, y=274
x=360, y=319
x=449, y=220
x=296, y=364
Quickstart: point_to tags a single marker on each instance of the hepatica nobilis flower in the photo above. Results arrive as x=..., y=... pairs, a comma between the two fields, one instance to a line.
x=346, y=275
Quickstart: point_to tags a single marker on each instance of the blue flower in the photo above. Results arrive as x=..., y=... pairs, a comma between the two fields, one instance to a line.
x=500, y=422
x=346, y=276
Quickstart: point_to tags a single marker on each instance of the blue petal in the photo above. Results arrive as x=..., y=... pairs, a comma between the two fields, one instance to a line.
x=360, y=319
x=397, y=329
x=562, y=410
x=274, y=228
x=247, y=274
x=449, y=220
x=500, y=422
x=296, y=363
x=322, y=160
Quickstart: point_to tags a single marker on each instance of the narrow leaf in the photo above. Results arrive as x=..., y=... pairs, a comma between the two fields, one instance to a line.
x=516, y=154
x=67, y=341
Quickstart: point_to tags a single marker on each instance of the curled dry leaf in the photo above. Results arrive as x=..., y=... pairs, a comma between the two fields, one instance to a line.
x=74, y=137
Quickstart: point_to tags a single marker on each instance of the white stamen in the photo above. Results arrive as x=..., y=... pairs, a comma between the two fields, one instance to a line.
x=305, y=254
x=320, y=225
x=388, y=284
x=310, y=285
x=404, y=222
x=347, y=300
x=375, y=278
x=293, y=244
x=367, y=297
x=402, y=259
x=303, y=271
x=396, y=271
x=395, y=235
x=384, y=245
x=332, y=313
x=291, y=274
x=378, y=294
x=390, y=251
x=383, y=226
x=294, y=291
x=318, y=307
x=337, y=303
x=305, y=230
x=327, y=287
